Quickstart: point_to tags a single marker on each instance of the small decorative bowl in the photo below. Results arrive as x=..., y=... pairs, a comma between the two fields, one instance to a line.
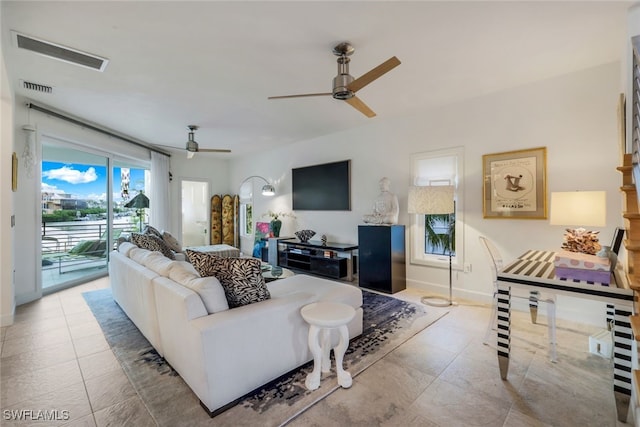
x=305, y=235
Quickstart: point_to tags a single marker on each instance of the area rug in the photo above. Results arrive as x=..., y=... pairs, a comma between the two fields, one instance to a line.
x=388, y=322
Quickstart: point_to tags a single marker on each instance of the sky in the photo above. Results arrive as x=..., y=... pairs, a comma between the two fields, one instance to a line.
x=86, y=181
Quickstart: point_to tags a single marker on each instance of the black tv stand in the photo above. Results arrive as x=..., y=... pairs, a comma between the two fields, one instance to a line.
x=333, y=260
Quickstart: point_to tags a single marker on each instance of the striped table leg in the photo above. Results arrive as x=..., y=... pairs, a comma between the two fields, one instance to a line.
x=610, y=314
x=622, y=360
x=504, y=329
x=534, y=296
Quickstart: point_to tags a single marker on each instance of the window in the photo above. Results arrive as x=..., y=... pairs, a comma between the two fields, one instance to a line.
x=433, y=235
x=246, y=209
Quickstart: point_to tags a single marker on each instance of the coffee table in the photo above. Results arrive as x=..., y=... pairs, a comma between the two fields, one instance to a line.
x=271, y=273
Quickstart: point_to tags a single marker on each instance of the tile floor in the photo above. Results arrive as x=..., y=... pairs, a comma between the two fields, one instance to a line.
x=55, y=357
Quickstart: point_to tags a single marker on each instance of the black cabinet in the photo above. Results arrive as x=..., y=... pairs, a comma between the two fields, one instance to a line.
x=381, y=256
x=316, y=258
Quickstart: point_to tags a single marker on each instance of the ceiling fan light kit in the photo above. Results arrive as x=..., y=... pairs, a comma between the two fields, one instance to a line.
x=345, y=86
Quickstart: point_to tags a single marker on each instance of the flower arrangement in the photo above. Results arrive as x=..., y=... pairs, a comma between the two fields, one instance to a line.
x=276, y=215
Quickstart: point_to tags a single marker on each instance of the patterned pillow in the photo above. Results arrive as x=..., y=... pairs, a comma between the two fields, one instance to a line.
x=152, y=230
x=241, y=278
x=152, y=243
x=171, y=241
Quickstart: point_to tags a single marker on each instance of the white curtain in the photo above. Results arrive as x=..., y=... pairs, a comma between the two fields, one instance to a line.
x=160, y=213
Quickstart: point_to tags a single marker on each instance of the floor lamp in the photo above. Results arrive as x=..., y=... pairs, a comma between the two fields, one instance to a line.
x=140, y=202
x=435, y=200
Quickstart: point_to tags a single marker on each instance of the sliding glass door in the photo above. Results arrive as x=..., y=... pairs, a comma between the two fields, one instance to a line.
x=74, y=232
x=83, y=198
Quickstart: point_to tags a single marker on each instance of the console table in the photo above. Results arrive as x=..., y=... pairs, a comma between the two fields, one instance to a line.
x=534, y=270
x=311, y=257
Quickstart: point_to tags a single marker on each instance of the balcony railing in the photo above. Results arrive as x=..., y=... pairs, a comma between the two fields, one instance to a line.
x=62, y=237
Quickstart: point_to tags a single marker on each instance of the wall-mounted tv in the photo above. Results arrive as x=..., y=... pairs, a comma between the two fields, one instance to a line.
x=325, y=187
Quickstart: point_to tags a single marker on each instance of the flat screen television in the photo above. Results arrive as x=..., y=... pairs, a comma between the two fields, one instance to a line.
x=325, y=187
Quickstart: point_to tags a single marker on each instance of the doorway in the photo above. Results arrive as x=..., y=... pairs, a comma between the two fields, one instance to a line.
x=195, y=213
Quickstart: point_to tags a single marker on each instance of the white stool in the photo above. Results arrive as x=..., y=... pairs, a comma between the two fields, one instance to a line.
x=325, y=316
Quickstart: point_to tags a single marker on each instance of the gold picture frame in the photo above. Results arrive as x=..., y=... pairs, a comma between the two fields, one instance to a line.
x=14, y=172
x=515, y=184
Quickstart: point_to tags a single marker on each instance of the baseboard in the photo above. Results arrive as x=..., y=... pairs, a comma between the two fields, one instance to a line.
x=7, y=319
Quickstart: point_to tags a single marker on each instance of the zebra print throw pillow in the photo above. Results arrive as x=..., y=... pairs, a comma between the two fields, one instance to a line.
x=241, y=278
x=152, y=243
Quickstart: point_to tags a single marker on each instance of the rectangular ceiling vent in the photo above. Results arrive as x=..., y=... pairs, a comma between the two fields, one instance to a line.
x=62, y=53
x=36, y=87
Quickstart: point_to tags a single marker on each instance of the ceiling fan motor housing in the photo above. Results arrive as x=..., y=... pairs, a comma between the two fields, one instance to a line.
x=192, y=146
x=342, y=80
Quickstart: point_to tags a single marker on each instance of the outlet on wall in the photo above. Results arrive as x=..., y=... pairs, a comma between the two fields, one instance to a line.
x=467, y=267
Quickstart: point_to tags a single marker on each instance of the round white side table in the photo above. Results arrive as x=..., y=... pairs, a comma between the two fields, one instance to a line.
x=322, y=317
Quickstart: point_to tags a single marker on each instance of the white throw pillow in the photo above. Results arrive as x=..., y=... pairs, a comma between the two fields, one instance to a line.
x=211, y=293
x=182, y=272
x=139, y=255
x=125, y=248
x=171, y=241
x=159, y=263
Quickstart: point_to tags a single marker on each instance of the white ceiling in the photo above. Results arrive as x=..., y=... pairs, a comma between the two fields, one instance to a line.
x=214, y=64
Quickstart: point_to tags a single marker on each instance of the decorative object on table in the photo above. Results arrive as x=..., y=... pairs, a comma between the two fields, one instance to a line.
x=276, y=222
x=580, y=208
x=582, y=266
x=140, y=202
x=323, y=239
x=385, y=207
x=515, y=184
x=436, y=200
x=262, y=231
x=305, y=235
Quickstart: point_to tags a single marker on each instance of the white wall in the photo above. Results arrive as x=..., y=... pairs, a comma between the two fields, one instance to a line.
x=7, y=301
x=574, y=116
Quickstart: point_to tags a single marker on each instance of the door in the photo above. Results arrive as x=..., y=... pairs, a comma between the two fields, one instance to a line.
x=195, y=213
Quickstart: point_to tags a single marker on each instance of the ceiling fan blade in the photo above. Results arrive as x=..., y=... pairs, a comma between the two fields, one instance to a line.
x=304, y=95
x=375, y=73
x=213, y=150
x=357, y=103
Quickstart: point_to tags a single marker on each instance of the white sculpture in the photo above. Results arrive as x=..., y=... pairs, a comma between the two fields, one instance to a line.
x=385, y=208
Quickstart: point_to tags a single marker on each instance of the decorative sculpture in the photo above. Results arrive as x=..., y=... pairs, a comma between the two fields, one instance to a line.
x=305, y=235
x=385, y=208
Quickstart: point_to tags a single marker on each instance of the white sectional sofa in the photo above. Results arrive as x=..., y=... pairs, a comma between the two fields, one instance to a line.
x=221, y=353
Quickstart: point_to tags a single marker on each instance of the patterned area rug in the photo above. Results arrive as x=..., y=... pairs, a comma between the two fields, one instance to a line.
x=388, y=322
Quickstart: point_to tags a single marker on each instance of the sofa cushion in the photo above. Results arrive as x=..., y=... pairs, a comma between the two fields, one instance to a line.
x=241, y=278
x=125, y=248
x=208, y=288
x=153, y=243
x=171, y=241
x=139, y=255
x=159, y=263
x=182, y=272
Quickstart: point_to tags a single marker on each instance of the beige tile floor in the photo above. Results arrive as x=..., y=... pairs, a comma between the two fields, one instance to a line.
x=55, y=358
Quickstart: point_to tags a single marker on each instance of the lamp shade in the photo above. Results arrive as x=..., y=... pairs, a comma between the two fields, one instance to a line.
x=579, y=208
x=267, y=189
x=139, y=202
x=431, y=200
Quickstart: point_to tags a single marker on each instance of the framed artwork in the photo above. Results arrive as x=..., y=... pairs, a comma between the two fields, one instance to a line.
x=14, y=172
x=515, y=184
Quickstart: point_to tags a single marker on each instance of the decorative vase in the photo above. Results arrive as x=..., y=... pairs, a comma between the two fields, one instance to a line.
x=276, y=225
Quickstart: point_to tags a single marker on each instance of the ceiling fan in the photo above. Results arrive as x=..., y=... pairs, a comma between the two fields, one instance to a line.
x=345, y=86
x=193, y=148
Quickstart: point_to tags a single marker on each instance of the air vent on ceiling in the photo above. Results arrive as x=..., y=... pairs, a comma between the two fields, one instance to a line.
x=62, y=53
x=36, y=86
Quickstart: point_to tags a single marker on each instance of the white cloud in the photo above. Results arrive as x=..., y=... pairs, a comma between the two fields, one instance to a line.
x=71, y=175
